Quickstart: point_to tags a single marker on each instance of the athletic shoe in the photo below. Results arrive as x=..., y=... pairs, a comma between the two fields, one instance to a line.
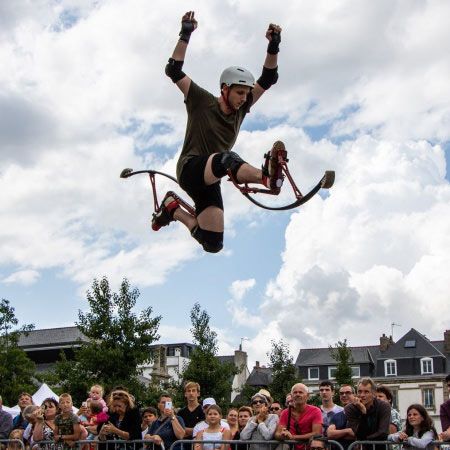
x=164, y=215
x=272, y=170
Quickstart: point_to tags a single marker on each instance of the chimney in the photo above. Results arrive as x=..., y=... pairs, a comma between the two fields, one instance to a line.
x=385, y=342
x=256, y=365
x=447, y=341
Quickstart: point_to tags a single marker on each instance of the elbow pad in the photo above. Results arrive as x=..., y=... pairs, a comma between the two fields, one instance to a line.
x=268, y=77
x=173, y=70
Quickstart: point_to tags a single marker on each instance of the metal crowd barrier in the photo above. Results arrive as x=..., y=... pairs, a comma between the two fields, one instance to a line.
x=245, y=444
x=15, y=444
x=390, y=445
x=187, y=444
x=184, y=444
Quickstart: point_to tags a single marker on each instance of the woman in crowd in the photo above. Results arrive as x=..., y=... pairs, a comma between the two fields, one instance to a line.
x=419, y=431
x=214, y=432
x=262, y=426
x=232, y=420
x=45, y=425
x=244, y=415
x=124, y=419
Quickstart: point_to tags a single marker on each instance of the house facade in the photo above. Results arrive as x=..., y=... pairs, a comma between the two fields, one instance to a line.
x=414, y=368
x=166, y=361
x=44, y=346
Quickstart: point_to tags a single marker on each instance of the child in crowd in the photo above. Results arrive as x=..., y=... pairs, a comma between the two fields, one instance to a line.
x=96, y=417
x=16, y=434
x=419, y=431
x=149, y=415
x=96, y=394
x=67, y=424
x=214, y=432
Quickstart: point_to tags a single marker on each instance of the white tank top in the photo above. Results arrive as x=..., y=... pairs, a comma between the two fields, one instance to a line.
x=216, y=436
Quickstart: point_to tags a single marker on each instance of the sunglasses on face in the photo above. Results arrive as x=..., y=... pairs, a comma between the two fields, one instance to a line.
x=256, y=402
x=275, y=408
x=316, y=448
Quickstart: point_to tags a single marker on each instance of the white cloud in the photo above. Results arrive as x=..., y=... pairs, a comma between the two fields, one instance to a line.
x=240, y=314
x=24, y=277
x=374, y=251
x=239, y=288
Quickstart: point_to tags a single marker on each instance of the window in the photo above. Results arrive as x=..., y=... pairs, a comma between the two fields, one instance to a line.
x=356, y=373
x=410, y=344
x=426, y=366
x=313, y=373
x=332, y=372
x=428, y=397
x=390, y=367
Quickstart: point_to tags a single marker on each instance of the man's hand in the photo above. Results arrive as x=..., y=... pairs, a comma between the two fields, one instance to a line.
x=188, y=25
x=168, y=412
x=357, y=402
x=285, y=434
x=273, y=34
x=271, y=30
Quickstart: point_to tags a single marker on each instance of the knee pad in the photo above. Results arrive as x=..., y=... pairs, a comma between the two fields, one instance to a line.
x=222, y=162
x=211, y=241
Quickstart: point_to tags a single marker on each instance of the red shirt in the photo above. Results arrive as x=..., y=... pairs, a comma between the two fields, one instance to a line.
x=303, y=424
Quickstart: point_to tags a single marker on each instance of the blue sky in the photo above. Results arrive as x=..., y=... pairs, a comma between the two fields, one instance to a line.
x=363, y=90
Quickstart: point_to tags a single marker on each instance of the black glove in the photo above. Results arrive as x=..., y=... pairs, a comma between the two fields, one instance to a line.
x=188, y=25
x=274, y=44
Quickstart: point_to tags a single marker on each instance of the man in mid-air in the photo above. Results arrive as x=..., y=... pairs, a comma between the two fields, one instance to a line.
x=212, y=128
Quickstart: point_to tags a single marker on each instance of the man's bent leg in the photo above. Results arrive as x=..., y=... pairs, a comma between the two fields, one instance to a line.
x=185, y=218
x=249, y=174
x=218, y=165
x=209, y=231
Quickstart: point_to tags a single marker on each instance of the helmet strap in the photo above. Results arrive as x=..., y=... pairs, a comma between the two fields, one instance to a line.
x=225, y=98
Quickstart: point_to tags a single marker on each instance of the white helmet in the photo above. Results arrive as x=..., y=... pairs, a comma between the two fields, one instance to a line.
x=237, y=75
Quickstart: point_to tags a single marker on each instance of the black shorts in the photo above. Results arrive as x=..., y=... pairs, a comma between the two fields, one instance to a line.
x=192, y=180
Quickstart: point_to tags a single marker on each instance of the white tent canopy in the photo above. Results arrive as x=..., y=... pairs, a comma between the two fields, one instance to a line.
x=38, y=397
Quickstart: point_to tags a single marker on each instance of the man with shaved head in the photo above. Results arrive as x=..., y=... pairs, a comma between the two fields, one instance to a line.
x=299, y=421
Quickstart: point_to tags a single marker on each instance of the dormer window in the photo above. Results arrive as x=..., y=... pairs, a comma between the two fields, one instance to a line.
x=390, y=368
x=426, y=366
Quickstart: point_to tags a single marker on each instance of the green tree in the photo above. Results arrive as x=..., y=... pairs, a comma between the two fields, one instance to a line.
x=215, y=377
x=119, y=342
x=284, y=374
x=16, y=369
x=342, y=354
x=246, y=393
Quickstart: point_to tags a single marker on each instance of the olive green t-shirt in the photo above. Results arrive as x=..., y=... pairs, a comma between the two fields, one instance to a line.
x=208, y=129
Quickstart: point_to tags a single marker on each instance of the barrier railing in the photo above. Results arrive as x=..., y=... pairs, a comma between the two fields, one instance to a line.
x=243, y=444
x=12, y=444
x=389, y=445
x=188, y=444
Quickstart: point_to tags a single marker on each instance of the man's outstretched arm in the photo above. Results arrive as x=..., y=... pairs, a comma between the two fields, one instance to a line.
x=269, y=74
x=175, y=64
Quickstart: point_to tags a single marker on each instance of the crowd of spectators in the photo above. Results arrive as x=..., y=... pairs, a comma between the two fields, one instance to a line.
x=364, y=415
